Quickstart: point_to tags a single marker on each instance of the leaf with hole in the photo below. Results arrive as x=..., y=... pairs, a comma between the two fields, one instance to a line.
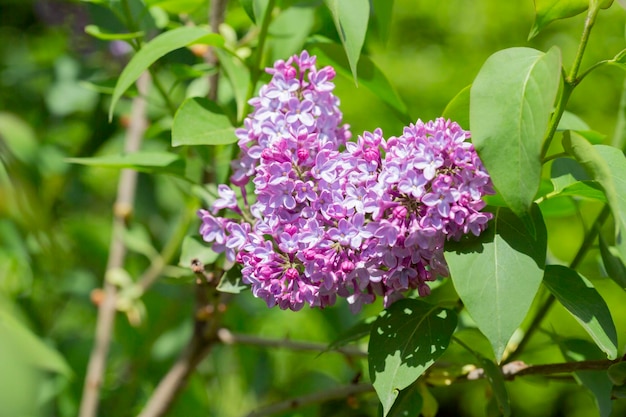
x=405, y=341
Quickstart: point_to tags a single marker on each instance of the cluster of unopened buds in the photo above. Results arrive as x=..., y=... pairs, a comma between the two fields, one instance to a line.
x=331, y=217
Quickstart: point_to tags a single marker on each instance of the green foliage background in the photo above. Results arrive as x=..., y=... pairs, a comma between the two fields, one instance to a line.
x=55, y=217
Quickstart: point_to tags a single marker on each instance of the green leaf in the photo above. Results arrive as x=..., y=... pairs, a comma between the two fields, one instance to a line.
x=177, y=6
x=239, y=78
x=194, y=247
x=200, y=121
x=405, y=341
x=231, y=282
x=19, y=137
x=32, y=350
x=496, y=379
x=157, y=48
x=547, y=11
x=354, y=333
x=382, y=14
x=458, y=109
x=570, y=179
x=511, y=101
x=288, y=32
x=617, y=373
x=498, y=273
x=370, y=76
x=408, y=404
x=98, y=33
x=351, y=19
x=585, y=304
x=151, y=162
x=597, y=382
x=615, y=268
x=248, y=7
x=606, y=165
x=569, y=121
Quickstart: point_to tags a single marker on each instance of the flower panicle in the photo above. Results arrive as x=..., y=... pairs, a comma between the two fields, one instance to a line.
x=334, y=217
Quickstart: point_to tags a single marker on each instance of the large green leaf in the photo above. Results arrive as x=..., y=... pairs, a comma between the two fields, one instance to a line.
x=157, y=48
x=607, y=166
x=151, y=162
x=200, y=121
x=498, y=273
x=405, y=341
x=351, y=19
x=238, y=76
x=510, y=105
x=369, y=75
x=581, y=299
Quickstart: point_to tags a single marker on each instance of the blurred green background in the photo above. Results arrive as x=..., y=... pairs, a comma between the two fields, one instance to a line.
x=55, y=217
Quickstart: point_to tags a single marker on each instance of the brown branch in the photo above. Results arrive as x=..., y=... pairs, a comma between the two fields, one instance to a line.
x=229, y=338
x=315, y=398
x=516, y=369
x=122, y=211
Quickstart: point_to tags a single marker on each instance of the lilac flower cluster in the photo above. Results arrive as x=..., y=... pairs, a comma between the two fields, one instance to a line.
x=334, y=217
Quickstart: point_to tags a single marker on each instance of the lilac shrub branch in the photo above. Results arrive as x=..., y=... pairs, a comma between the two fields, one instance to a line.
x=122, y=211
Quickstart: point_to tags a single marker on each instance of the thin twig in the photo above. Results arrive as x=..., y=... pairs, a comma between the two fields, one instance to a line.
x=209, y=308
x=229, y=338
x=216, y=18
x=315, y=398
x=122, y=211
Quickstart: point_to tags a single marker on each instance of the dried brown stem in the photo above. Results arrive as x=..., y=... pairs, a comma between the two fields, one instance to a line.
x=122, y=211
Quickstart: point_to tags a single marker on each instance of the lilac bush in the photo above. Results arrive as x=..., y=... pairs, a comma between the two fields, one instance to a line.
x=332, y=217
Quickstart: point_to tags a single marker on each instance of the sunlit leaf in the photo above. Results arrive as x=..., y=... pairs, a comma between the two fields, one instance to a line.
x=99, y=33
x=606, y=165
x=498, y=273
x=547, y=11
x=157, y=48
x=238, y=76
x=351, y=19
x=405, y=341
x=288, y=32
x=152, y=162
x=585, y=304
x=200, y=121
x=511, y=101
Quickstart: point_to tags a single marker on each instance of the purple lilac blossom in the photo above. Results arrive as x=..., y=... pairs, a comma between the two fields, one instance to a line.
x=332, y=217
